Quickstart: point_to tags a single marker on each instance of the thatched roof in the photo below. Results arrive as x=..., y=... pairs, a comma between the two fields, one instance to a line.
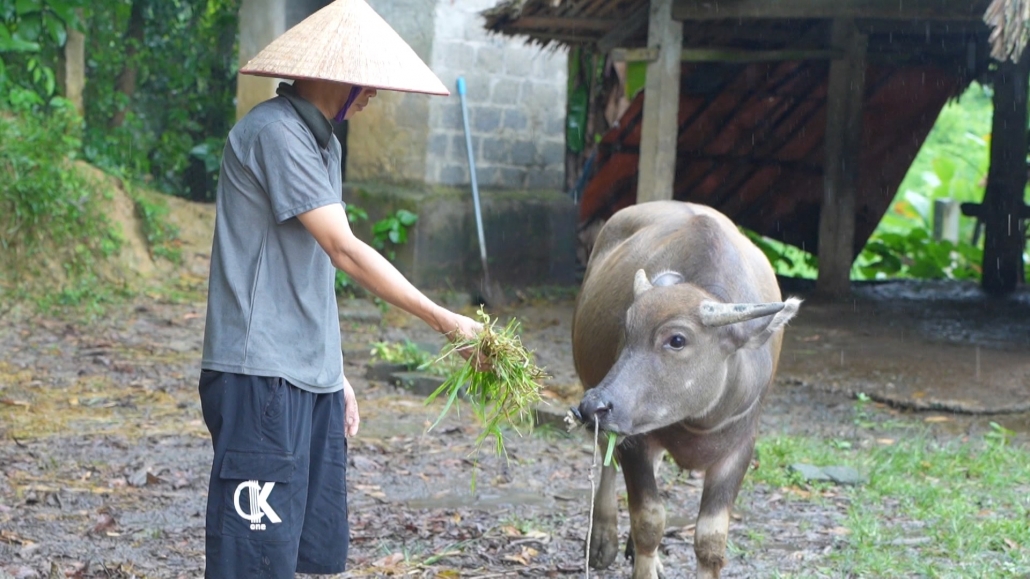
x=1009, y=20
x=606, y=22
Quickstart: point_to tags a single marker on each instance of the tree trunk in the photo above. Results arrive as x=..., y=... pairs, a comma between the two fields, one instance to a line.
x=126, y=83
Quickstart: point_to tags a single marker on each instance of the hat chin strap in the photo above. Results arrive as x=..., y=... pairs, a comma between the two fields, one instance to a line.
x=354, y=92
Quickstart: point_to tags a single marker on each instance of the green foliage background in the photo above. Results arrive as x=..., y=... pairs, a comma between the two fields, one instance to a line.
x=177, y=120
x=161, y=81
x=159, y=103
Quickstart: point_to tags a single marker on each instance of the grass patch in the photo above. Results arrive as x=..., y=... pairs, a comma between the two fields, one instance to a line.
x=162, y=236
x=969, y=500
x=413, y=358
x=929, y=509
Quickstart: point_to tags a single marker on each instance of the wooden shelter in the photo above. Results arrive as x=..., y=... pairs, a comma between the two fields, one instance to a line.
x=797, y=119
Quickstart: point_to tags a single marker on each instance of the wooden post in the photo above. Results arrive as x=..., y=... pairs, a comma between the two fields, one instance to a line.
x=840, y=166
x=1006, y=179
x=660, y=130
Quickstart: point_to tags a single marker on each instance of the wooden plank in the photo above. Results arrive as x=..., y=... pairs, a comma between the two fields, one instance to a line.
x=727, y=55
x=560, y=23
x=1006, y=180
x=961, y=10
x=657, y=162
x=843, y=141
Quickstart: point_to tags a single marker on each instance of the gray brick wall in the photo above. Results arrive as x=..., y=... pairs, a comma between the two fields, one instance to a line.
x=516, y=99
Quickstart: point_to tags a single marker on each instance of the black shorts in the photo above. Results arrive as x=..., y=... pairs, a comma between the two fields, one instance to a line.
x=277, y=501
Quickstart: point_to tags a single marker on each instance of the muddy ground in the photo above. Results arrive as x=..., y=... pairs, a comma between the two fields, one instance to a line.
x=104, y=458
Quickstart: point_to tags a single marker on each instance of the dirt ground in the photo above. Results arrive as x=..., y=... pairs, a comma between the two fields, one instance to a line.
x=104, y=457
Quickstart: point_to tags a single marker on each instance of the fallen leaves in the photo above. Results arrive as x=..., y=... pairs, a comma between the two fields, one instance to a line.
x=13, y=402
x=374, y=491
x=105, y=525
x=12, y=538
x=524, y=557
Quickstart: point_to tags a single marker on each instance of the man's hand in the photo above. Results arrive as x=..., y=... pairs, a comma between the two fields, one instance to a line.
x=458, y=327
x=464, y=328
x=351, y=417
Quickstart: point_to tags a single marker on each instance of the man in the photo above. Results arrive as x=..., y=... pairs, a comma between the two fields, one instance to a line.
x=272, y=387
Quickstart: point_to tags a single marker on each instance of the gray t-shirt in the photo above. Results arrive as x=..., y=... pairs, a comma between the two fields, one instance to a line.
x=271, y=306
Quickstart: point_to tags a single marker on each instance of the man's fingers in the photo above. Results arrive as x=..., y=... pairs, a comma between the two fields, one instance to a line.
x=352, y=423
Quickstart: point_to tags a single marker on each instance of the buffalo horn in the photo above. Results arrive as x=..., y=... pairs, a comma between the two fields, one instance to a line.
x=719, y=314
x=640, y=283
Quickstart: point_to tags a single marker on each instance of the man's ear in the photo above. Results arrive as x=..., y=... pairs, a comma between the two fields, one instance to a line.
x=760, y=335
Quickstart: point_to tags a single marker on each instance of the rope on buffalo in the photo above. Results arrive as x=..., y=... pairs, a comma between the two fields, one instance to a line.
x=590, y=523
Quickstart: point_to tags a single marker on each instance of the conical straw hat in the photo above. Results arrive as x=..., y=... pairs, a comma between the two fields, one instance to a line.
x=346, y=42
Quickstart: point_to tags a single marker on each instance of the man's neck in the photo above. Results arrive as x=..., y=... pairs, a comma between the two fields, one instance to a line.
x=315, y=93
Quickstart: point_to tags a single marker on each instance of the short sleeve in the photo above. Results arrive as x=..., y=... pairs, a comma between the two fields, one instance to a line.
x=289, y=166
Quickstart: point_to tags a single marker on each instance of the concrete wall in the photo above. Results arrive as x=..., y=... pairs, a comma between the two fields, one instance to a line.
x=516, y=96
x=530, y=235
x=387, y=141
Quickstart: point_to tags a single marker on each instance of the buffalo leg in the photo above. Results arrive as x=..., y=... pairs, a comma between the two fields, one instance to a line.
x=646, y=513
x=604, y=538
x=722, y=481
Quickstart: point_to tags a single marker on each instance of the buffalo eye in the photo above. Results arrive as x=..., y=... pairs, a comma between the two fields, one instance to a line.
x=677, y=342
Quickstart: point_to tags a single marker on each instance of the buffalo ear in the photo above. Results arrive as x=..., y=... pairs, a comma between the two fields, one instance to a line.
x=640, y=283
x=757, y=337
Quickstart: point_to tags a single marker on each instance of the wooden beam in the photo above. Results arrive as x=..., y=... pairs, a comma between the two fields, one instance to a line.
x=843, y=140
x=633, y=23
x=657, y=162
x=1006, y=180
x=881, y=9
x=646, y=54
x=560, y=23
x=727, y=55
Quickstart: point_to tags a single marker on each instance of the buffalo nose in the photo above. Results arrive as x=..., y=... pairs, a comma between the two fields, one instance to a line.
x=591, y=409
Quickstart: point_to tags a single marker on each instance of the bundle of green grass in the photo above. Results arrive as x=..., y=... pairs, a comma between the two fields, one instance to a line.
x=503, y=393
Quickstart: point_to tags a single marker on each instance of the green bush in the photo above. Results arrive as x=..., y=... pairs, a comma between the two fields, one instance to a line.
x=50, y=213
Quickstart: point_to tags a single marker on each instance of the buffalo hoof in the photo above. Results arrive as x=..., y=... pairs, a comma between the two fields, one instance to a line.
x=604, y=546
x=650, y=569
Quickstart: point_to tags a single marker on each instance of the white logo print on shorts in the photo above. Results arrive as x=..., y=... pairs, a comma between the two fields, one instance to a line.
x=259, y=506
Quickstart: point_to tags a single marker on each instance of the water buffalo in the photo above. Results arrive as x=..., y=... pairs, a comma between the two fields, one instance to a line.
x=676, y=337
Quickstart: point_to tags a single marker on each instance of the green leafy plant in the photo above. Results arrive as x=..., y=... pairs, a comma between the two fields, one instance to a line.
x=412, y=357
x=31, y=34
x=916, y=254
x=392, y=231
x=786, y=260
